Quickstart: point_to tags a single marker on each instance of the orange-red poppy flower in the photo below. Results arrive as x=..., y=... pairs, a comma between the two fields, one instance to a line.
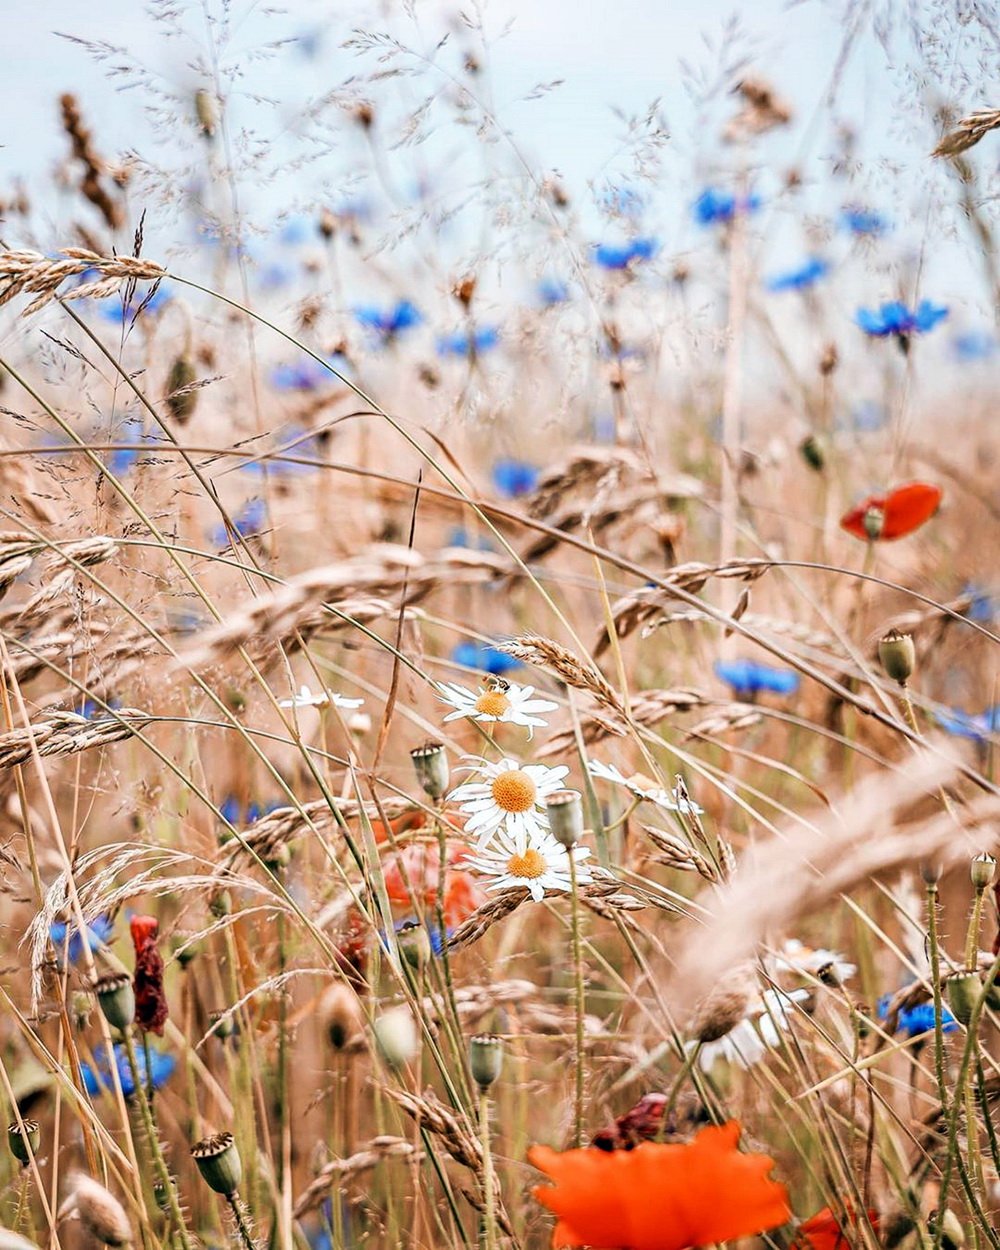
x=825, y=1232
x=893, y=515
x=660, y=1197
x=402, y=824
x=414, y=870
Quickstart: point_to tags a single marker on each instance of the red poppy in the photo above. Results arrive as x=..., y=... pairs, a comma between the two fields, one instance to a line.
x=402, y=824
x=893, y=515
x=660, y=1197
x=825, y=1232
x=417, y=866
x=147, y=982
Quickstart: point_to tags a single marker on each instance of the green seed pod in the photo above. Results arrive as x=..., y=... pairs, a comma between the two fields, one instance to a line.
x=430, y=763
x=873, y=521
x=963, y=993
x=897, y=656
x=181, y=399
x=219, y=1163
x=565, y=812
x=24, y=1145
x=982, y=870
x=223, y=1024
x=116, y=999
x=485, y=1058
x=812, y=452
x=220, y=904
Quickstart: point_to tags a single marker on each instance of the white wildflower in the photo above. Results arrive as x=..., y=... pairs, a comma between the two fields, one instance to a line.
x=508, y=795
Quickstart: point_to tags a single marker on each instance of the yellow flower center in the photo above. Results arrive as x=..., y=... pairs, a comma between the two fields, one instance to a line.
x=493, y=703
x=514, y=791
x=529, y=865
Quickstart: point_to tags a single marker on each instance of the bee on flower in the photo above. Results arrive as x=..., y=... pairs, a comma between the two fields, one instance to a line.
x=536, y=863
x=498, y=700
x=509, y=796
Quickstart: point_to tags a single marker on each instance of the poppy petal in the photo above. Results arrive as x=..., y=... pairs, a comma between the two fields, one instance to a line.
x=908, y=507
x=823, y=1231
x=661, y=1196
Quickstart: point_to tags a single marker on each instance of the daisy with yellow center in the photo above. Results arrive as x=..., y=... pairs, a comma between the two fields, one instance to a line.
x=508, y=796
x=497, y=701
x=538, y=864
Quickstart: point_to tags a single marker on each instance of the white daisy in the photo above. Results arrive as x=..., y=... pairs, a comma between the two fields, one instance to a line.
x=509, y=796
x=306, y=698
x=749, y=1041
x=794, y=956
x=537, y=864
x=643, y=788
x=499, y=700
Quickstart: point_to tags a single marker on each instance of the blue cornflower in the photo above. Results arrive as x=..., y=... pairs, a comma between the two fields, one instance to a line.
x=982, y=607
x=293, y=440
x=307, y=374
x=461, y=343
x=295, y=230
x=124, y=459
x=458, y=536
x=248, y=521
x=161, y=1066
x=484, y=658
x=552, y=291
x=389, y=322
x=963, y=725
x=92, y=710
x=514, y=477
x=801, y=277
x=974, y=345
x=893, y=317
x=868, y=416
x=714, y=207
x=747, y=677
x=621, y=255
x=863, y=221
x=916, y=1020
x=152, y=300
x=98, y=934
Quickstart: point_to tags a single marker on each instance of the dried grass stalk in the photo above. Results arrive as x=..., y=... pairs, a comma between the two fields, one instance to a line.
x=801, y=871
x=544, y=653
x=25, y=272
x=286, y=824
x=968, y=132
x=66, y=733
x=363, y=1160
x=732, y=716
x=648, y=708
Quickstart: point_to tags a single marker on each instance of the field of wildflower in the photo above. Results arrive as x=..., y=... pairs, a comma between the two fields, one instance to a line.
x=499, y=702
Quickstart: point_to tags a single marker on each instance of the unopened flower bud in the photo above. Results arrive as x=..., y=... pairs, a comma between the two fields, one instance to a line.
x=340, y=1015
x=116, y=999
x=24, y=1144
x=897, y=655
x=963, y=994
x=223, y=1024
x=485, y=1058
x=100, y=1212
x=220, y=904
x=930, y=873
x=182, y=394
x=564, y=809
x=982, y=870
x=396, y=1037
x=219, y=1163
x=430, y=762
x=873, y=521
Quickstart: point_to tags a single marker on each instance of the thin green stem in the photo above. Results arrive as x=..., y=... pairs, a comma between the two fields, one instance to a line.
x=580, y=1001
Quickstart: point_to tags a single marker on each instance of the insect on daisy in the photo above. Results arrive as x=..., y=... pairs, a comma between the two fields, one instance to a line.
x=498, y=700
x=509, y=796
x=537, y=864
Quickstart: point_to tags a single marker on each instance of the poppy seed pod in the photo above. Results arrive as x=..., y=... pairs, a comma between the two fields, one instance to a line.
x=182, y=396
x=963, y=993
x=812, y=452
x=430, y=763
x=219, y=1163
x=982, y=870
x=485, y=1059
x=873, y=521
x=565, y=812
x=340, y=1015
x=24, y=1144
x=897, y=655
x=116, y=999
